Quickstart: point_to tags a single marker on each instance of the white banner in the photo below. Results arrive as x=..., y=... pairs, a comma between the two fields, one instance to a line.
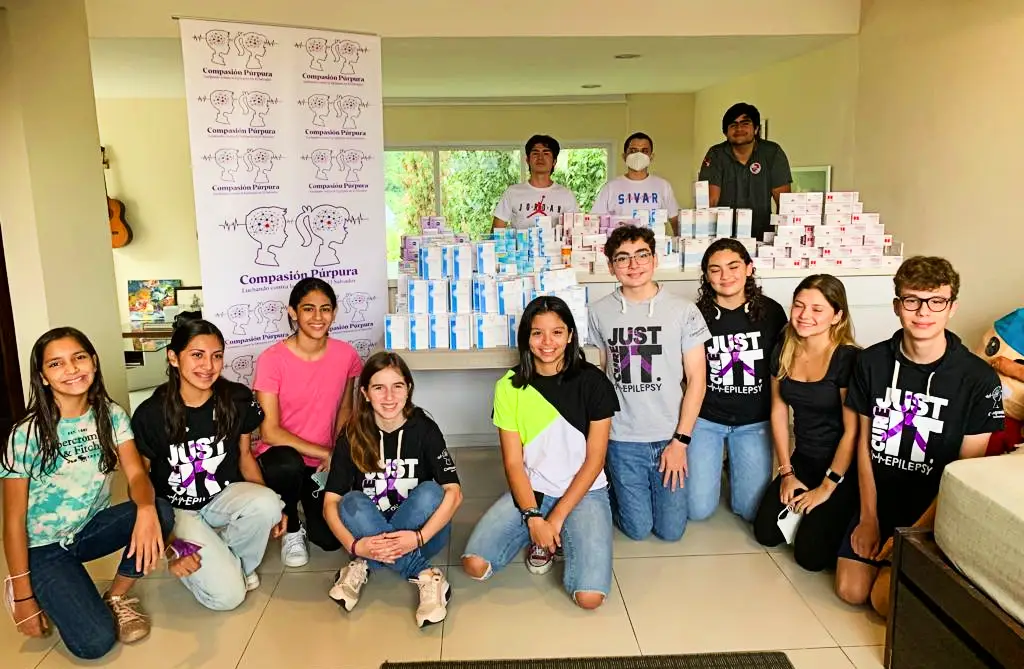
x=287, y=137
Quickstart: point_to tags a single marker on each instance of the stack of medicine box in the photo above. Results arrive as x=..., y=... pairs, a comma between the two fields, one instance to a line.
x=587, y=234
x=434, y=231
x=698, y=227
x=470, y=295
x=822, y=231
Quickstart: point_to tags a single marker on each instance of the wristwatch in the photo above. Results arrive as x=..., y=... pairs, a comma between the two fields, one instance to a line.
x=832, y=476
x=527, y=514
x=682, y=438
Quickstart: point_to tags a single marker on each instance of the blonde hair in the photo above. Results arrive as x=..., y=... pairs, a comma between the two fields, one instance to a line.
x=834, y=292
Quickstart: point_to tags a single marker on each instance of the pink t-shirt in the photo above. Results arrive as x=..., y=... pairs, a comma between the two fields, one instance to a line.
x=308, y=393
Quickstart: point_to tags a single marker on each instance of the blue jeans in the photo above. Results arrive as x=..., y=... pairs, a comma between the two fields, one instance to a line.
x=750, y=467
x=586, y=540
x=642, y=503
x=64, y=590
x=233, y=530
x=363, y=519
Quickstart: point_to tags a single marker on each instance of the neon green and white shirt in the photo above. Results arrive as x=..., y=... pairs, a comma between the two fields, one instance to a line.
x=552, y=416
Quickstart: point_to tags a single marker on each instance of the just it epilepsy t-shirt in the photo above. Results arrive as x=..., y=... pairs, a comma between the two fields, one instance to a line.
x=309, y=393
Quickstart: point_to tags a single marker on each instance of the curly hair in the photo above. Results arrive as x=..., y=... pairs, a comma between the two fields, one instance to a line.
x=628, y=233
x=926, y=273
x=751, y=290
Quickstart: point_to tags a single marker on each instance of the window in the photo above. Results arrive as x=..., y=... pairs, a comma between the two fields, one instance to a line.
x=463, y=184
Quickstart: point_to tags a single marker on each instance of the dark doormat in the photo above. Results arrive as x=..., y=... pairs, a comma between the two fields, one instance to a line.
x=699, y=661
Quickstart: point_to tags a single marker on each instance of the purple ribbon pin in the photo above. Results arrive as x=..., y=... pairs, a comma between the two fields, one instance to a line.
x=909, y=420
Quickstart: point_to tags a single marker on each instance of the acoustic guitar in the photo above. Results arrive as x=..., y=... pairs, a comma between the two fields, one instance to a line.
x=120, y=232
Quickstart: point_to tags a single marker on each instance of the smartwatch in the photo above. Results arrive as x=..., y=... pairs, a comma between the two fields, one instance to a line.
x=832, y=476
x=682, y=438
x=527, y=514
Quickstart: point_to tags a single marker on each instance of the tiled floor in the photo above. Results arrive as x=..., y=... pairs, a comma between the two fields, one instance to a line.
x=716, y=590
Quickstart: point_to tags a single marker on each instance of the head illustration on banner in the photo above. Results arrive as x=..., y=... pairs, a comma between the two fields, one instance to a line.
x=256, y=103
x=242, y=366
x=329, y=225
x=320, y=105
x=357, y=304
x=260, y=161
x=254, y=46
x=227, y=160
x=349, y=108
x=316, y=47
x=323, y=161
x=239, y=316
x=351, y=160
x=219, y=42
x=224, y=102
x=268, y=227
x=271, y=313
x=347, y=53
x=364, y=347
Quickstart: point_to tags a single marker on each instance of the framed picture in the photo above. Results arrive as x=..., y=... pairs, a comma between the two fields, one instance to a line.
x=189, y=298
x=148, y=297
x=814, y=179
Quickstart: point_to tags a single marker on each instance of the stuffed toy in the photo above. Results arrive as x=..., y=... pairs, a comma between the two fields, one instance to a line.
x=1003, y=348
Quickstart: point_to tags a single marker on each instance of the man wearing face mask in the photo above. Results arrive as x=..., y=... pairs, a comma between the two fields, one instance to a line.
x=637, y=189
x=745, y=171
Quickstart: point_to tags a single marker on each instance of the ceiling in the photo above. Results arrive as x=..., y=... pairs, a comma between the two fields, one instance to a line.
x=515, y=67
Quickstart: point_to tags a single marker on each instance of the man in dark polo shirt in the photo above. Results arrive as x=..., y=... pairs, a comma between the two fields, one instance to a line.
x=745, y=171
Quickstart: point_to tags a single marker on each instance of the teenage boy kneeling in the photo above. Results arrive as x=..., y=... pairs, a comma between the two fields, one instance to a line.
x=651, y=340
x=924, y=401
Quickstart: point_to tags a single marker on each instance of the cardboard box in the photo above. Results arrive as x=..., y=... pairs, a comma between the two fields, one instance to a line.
x=723, y=222
x=816, y=198
x=701, y=195
x=460, y=332
x=431, y=262
x=396, y=331
x=790, y=263
x=842, y=196
x=460, y=296
x=839, y=208
x=490, y=330
x=419, y=332
x=512, y=296
x=485, y=294
x=867, y=218
x=837, y=252
x=838, y=219
x=866, y=251
x=877, y=240
x=428, y=296
x=744, y=222
x=484, y=259
x=851, y=240
x=804, y=252
x=440, y=331
x=763, y=264
x=792, y=198
x=769, y=252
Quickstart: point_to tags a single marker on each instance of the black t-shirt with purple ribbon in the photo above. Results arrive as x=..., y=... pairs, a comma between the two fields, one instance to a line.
x=191, y=473
x=738, y=354
x=919, y=416
x=414, y=453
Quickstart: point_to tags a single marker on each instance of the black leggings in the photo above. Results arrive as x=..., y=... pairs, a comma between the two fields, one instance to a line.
x=821, y=532
x=287, y=474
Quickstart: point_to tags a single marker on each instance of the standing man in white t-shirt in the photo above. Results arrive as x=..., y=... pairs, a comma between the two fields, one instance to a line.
x=638, y=189
x=539, y=195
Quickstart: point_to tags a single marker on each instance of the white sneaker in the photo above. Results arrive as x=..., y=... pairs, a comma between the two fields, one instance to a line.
x=294, y=552
x=348, y=582
x=252, y=581
x=434, y=595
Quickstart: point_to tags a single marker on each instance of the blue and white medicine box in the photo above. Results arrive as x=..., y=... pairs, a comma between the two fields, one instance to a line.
x=428, y=296
x=419, y=332
x=485, y=260
x=485, y=294
x=440, y=326
x=491, y=330
x=396, y=331
x=460, y=262
x=460, y=296
x=431, y=263
x=460, y=332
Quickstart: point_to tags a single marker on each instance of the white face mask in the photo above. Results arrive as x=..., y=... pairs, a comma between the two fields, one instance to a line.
x=638, y=162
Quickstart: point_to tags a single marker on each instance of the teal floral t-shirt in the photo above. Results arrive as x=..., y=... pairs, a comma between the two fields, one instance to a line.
x=62, y=502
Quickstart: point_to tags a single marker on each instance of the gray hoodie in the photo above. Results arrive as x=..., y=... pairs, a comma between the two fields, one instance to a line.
x=643, y=344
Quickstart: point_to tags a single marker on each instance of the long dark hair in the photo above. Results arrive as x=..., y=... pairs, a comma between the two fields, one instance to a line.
x=751, y=290
x=225, y=412
x=526, y=369
x=361, y=431
x=43, y=414
x=303, y=288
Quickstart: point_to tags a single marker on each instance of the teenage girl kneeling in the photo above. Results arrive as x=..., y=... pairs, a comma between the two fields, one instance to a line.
x=56, y=468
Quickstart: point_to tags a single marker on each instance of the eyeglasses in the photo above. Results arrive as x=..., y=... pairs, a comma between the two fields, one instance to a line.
x=641, y=258
x=935, y=304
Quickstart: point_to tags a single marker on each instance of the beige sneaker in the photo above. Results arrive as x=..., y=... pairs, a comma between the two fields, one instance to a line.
x=132, y=623
x=434, y=595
